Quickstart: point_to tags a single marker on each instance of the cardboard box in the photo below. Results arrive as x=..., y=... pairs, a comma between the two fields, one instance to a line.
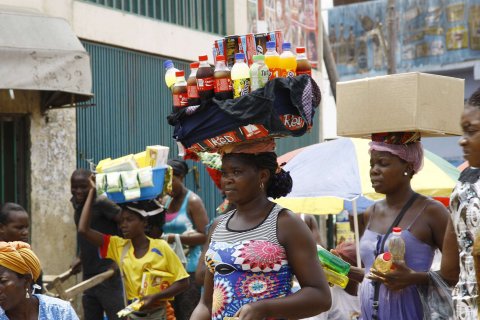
x=425, y=103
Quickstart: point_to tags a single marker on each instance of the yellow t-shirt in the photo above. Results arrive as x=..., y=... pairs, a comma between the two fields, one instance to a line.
x=159, y=257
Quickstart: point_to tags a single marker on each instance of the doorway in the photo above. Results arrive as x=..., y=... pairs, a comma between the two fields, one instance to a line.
x=14, y=159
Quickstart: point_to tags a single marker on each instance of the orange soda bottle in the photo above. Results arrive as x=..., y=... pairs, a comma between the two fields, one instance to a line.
x=288, y=61
x=272, y=60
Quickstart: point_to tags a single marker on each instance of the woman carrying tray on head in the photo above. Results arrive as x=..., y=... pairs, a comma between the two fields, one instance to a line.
x=394, y=159
x=139, y=258
x=186, y=216
x=255, y=249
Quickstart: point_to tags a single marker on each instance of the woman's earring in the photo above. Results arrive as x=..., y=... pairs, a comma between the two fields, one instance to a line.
x=261, y=185
x=405, y=173
x=27, y=295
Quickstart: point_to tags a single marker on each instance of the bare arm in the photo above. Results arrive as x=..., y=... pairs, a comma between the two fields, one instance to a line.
x=84, y=229
x=313, y=225
x=201, y=269
x=203, y=311
x=314, y=296
x=450, y=267
x=198, y=213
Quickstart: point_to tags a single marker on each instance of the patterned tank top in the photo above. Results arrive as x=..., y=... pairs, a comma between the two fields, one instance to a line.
x=247, y=266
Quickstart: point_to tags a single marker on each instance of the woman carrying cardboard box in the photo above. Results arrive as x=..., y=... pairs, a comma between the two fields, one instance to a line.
x=394, y=159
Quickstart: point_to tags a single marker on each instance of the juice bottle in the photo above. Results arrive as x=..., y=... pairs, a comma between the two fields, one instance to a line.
x=179, y=89
x=259, y=72
x=288, y=61
x=272, y=59
x=383, y=262
x=396, y=245
x=170, y=78
x=335, y=277
x=205, y=79
x=331, y=261
x=303, y=65
x=223, y=82
x=192, y=91
x=240, y=76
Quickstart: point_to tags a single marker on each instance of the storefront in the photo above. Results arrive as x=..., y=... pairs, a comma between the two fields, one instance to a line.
x=44, y=73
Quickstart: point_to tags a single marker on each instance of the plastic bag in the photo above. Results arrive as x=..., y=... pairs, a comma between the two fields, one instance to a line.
x=436, y=298
x=177, y=248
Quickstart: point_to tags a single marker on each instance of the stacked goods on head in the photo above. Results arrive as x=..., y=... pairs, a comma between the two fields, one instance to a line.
x=416, y=102
x=224, y=110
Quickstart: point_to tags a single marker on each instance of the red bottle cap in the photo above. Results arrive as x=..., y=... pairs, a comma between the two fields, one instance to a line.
x=203, y=58
x=387, y=256
x=300, y=49
x=180, y=73
x=194, y=65
x=397, y=229
x=220, y=58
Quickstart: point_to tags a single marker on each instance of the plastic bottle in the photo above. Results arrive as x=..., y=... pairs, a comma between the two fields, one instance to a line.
x=240, y=76
x=223, y=82
x=179, y=89
x=303, y=65
x=396, y=245
x=259, y=72
x=205, y=79
x=335, y=277
x=383, y=262
x=288, y=61
x=331, y=261
x=170, y=78
x=272, y=59
x=192, y=90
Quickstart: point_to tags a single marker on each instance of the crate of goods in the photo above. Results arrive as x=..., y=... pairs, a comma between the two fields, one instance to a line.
x=146, y=193
x=419, y=102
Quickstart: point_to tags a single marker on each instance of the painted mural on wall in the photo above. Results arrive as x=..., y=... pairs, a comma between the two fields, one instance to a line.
x=297, y=19
x=431, y=33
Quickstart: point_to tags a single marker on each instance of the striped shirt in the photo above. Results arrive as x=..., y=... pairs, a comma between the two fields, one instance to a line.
x=266, y=230
x=247, y=265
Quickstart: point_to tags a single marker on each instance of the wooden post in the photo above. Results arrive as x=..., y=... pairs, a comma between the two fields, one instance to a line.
x=392, y=36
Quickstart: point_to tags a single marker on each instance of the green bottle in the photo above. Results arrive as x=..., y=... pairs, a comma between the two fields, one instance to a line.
x=331, y=261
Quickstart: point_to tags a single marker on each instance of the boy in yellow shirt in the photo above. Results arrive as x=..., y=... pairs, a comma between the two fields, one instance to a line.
x=142, y=260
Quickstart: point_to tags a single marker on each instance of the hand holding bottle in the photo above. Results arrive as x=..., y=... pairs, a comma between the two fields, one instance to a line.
x=399, y=277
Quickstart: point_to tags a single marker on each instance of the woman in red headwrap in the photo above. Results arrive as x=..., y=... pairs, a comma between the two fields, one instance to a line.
x=19, y=268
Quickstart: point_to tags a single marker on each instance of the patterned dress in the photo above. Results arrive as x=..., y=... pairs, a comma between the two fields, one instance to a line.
x=247, y=265
x=465, y=208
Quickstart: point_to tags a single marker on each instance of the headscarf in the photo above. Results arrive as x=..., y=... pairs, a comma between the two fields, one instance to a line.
x=18, y=257
x=405, y=145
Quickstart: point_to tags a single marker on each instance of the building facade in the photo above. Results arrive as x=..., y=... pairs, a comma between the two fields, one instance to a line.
x=128, y=41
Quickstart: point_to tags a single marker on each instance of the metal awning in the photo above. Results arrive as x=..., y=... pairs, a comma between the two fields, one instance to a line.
x=39, y=52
